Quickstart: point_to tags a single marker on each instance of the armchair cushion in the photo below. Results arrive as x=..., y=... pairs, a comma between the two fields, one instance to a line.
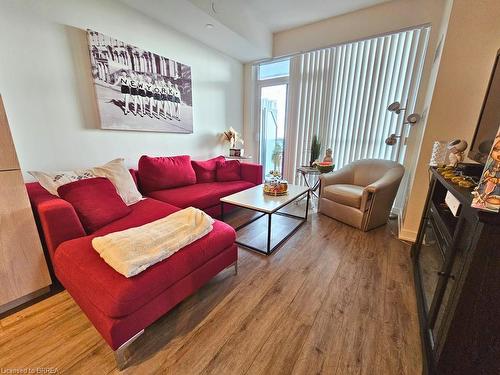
x=348, y=195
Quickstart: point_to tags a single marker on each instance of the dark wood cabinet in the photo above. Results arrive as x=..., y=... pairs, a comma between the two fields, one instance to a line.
x=456, y=262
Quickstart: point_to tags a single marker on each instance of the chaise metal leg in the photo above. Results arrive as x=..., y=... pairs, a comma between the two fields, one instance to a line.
x=235, y=265
x=122, y=355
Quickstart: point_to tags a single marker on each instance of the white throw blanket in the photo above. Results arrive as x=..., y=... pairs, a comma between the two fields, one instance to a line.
x=133, y=250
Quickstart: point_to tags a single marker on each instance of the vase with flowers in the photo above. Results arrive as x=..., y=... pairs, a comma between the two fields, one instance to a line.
x=233, y=137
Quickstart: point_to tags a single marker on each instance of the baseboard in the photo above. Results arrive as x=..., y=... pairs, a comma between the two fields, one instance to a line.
x=407, y=235
x=403, y=234
x=5, y=309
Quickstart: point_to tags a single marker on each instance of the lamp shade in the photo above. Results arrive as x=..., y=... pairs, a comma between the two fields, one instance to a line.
x=391, y=140
x=395, y=107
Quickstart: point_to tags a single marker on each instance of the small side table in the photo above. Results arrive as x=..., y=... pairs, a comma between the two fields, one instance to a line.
x=306, y=173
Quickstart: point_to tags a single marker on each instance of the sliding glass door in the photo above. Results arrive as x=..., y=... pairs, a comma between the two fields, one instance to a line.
x=272, y=126
x=272, y=90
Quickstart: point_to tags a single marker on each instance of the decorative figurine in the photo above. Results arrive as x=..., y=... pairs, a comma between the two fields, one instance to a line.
x=456, y=148
x=328, y=156
x=487, y=193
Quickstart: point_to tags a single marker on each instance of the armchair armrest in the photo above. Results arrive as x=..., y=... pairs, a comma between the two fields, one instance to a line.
x=390, y=180
x=387, y=186
x=378, y=198
x=252, y=172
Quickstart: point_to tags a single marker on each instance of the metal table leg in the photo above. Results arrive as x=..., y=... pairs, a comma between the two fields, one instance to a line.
x=308, y=184
x=269, y=249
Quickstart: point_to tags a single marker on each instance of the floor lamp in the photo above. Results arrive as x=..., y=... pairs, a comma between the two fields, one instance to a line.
x=392, y=139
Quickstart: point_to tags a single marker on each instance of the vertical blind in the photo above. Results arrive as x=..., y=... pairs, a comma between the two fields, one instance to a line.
x=341, y=94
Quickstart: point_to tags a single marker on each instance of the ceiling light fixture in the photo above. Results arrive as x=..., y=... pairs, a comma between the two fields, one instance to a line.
x=209, y=26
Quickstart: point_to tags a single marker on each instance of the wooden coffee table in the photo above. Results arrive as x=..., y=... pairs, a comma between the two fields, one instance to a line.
x=254, y=199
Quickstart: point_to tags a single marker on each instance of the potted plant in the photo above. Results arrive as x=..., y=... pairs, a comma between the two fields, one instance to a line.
x=315, y=150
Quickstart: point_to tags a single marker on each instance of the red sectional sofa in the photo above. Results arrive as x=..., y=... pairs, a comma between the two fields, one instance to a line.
x=201, y=190
x=121, y=307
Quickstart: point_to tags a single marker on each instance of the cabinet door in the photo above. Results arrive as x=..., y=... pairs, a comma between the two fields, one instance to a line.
x=22, y=264
x=451, y=275
x=430, y=263
x=8, y=157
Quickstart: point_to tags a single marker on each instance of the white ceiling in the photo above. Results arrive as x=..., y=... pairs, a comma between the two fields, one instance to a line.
x=246, y=39
x=242, y=28
x=280, y=15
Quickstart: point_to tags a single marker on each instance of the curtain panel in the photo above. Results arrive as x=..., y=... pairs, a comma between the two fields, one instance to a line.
x=341, y=94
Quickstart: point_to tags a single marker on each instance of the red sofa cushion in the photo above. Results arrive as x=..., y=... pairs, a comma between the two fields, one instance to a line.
x=205, y=169
x=156, y=173
x=200, y=195
x=228, y=170
x=95, y=201
x=79, y=266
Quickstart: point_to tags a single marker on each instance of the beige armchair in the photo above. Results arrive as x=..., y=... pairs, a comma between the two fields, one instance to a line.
x=361, y=194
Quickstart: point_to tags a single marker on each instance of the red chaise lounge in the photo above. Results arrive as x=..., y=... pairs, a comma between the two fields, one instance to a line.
x=119, y=307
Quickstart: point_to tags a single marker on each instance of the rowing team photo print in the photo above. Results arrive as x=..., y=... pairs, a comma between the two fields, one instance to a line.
x=139, y=90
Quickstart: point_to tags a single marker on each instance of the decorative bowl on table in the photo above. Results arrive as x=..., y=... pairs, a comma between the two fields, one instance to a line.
x=274, y=185
x=325, y=167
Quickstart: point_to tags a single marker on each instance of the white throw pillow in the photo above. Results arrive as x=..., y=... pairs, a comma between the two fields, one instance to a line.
x=115, y=171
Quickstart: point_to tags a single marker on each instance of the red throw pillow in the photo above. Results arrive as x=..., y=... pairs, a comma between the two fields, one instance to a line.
x=96, y=202
x=228, y=170
x=205, y=170
x=165, y=172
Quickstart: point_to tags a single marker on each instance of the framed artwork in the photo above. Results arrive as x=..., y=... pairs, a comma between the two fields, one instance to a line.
x=487, y=193
x=138, y=89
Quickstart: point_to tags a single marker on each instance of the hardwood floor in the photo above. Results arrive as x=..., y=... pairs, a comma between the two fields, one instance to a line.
x=332, y=300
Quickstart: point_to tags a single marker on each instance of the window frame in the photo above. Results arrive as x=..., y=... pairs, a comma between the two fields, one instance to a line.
x=258, y=85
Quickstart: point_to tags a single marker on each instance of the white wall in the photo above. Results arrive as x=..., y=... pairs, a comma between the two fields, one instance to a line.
x=49, y=98
x=468, y=55
x=413, y=151
x=375, y=20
